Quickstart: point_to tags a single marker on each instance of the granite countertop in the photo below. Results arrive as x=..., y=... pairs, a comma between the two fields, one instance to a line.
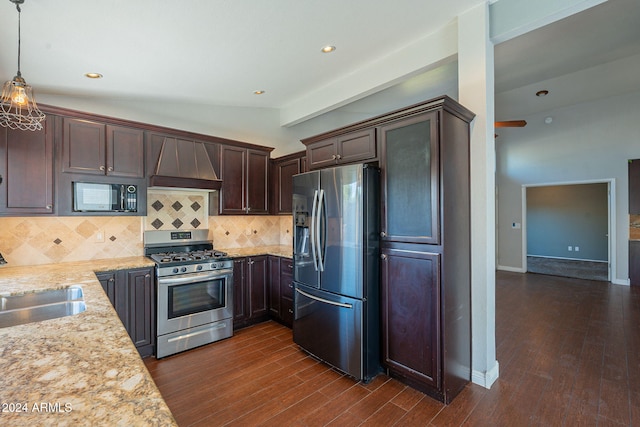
x=285, y=251
x=76, y=370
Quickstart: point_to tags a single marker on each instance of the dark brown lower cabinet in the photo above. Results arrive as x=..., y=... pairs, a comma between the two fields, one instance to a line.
x=281, y=289
x=250, y=279
x=634, y=262
x=410, y=316
x=425, y=322
x=286, y=291
x=132, y=293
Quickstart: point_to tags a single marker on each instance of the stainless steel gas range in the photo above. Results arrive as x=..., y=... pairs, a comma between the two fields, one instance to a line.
x=195, y=290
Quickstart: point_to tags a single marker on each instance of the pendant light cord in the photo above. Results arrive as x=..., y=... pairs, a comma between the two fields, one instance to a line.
x=19, y=13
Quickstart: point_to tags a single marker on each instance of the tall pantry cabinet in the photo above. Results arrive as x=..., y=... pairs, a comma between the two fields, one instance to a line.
x=423, y=154
x=425, y=241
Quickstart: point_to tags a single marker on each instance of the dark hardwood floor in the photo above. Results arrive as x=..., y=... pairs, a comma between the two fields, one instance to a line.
x=569, y=354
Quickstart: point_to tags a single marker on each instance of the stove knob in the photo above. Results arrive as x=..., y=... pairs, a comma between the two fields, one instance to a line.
x=214, y=265
x=183, y=269
x=199, y=268
x=175, y=270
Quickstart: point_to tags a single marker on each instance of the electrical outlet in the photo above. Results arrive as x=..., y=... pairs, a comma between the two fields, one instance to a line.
x=577, y=248
x=570, y=248
x=100, y=236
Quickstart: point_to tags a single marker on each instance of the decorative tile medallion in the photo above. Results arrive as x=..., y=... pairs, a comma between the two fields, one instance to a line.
x=176, y=209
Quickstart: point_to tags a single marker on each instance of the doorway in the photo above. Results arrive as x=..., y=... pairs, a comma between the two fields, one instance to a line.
x=567, y=229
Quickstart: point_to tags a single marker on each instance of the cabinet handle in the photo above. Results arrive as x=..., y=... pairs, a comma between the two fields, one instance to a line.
x=290, y=311
x=383, y=257
x=333, y=157
x=147, y=276
x=111, y=280
x=102, y=168
x=291, y=285
x=252, y=262
x=290, y=265
x=248, y=209
x=110, y=169
x=48, y=207
x=338, y=157
x=383, y=234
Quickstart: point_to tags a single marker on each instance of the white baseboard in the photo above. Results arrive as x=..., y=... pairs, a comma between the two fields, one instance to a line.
x=486, y=379
x=512, y=269
x=623, y=282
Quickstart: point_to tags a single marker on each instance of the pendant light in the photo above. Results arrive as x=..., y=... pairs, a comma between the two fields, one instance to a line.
x=18, y=108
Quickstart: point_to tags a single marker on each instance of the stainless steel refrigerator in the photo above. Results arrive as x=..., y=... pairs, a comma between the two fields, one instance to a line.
x=336, y=215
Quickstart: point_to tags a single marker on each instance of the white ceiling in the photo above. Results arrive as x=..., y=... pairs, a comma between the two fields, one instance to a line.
x=207, y=51
x=217, y=52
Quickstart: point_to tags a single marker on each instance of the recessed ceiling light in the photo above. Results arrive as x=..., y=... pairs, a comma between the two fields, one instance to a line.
x=542, y=93
x=93, y=75
x=259, y=92
x=328, y=49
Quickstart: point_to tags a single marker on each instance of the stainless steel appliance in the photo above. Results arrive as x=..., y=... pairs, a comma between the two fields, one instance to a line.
x=98, y=197
x=336, y=267
x=195, y=290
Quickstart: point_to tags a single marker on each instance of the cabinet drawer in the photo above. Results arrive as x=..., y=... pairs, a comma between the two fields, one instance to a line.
x=286, y=278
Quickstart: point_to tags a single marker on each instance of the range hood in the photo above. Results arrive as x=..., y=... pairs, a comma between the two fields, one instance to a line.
x=184, y=164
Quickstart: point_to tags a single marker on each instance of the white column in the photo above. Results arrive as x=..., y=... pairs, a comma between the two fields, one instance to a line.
x=476, y=92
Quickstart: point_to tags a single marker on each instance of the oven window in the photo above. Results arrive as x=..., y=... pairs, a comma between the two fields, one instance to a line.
x=196, y=297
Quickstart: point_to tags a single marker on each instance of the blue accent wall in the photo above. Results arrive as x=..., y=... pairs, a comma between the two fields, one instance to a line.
x=568, y=215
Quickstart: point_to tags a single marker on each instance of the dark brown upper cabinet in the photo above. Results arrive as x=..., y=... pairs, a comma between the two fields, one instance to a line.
x=410, y=180
x=634, y=187
x=100, y=149
x=26, y=170
x=282, y=171
x=342, y=149
x=245, y=181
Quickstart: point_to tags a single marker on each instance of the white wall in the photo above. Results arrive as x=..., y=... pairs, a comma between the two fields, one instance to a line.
x=590, y=141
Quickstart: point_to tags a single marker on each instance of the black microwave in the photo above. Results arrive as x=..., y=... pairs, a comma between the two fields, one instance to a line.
x=96, y=197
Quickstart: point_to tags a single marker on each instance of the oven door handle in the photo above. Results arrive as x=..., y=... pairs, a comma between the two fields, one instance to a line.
x=194, y=277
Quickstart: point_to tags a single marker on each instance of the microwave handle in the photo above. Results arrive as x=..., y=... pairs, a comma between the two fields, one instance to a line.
x=122, y=207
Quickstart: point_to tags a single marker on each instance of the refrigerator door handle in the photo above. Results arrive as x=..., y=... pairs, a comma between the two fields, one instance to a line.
x=326, y=301
x=313, y=237
x=320, y=241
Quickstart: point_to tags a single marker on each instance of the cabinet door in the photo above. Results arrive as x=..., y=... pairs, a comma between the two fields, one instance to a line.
x=356, y=146
x=258, y=277
x=410, y=183
x=274, y=286
x=411, y=314
x=284, y=185
x=233, y=163
x=240, y=313
x=634, y=263
x=257, y=186
x=26, y=170
x=125, y=152
x=83, y=147
x=108, y=282
x=140, y=295
x=322, y=154
x=634, y=187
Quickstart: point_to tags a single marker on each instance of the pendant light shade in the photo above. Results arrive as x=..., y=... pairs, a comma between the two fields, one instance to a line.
x=18, y=108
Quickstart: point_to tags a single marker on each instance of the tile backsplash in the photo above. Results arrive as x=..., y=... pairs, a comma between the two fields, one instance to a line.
x=35, y=240
x=176, y=209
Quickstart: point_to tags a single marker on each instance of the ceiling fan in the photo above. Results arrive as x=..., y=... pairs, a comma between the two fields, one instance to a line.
x=510, y=124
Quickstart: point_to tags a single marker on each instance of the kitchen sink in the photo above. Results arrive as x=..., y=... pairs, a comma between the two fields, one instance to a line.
x=39, y=306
